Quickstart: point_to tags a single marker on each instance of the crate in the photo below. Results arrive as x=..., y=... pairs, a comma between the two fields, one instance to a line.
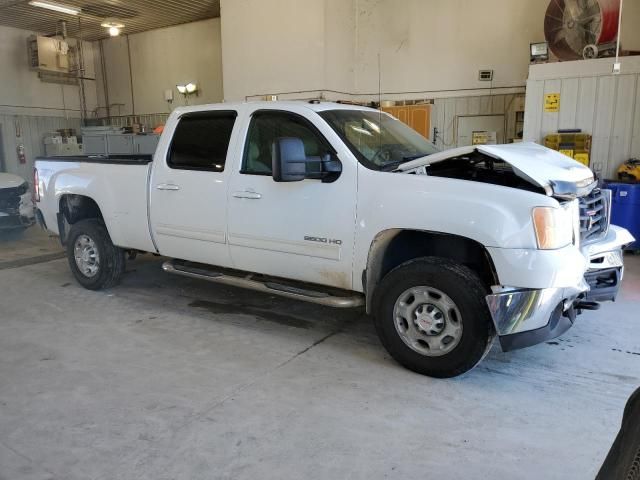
x=573, y=141
x=582, y=157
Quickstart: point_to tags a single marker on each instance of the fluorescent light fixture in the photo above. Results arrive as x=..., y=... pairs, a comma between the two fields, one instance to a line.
x=182, y=88
x=57, y=7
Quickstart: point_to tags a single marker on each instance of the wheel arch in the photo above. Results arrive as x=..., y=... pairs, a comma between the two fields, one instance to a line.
x=72, y=208
x=393, y=247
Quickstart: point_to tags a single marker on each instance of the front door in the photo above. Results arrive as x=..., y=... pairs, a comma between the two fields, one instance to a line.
x=188, y=189
x=301, y=230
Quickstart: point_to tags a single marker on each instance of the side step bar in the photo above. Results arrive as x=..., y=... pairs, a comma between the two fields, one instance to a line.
x=267, y=286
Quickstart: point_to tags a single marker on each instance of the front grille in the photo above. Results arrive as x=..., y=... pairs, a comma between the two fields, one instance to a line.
x=594, y=215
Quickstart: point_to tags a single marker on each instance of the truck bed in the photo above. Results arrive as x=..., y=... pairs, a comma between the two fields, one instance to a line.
x=117, y=183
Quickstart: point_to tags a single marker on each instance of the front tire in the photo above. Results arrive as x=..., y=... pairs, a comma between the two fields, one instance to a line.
x=431, y=316
x=94, y=260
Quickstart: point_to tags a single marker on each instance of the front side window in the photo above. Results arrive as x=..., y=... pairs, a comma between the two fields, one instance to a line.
x=201, y=140
x=266, y=127
x=378, y=140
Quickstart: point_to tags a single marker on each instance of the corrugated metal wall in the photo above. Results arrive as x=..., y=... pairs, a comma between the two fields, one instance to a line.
x=592, y=99
x=445, y=113
x=31, y=130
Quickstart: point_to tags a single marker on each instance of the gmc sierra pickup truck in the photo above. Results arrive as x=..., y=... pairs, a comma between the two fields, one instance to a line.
x=346, y=206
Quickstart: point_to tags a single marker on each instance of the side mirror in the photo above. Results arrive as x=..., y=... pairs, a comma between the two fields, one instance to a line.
x=289, y=163
x=288, y=160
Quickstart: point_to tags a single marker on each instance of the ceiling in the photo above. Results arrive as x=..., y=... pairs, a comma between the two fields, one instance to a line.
x=136, y=15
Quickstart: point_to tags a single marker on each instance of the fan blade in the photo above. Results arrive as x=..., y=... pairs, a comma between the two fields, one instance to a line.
x=572, y=8
x=562, y=35
x=555, y=18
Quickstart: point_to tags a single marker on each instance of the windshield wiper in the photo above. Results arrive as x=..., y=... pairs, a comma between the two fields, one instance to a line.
x=415, y=157
x=390, y=166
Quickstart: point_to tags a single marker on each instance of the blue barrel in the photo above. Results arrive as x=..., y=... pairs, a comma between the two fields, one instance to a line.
x=625, y=208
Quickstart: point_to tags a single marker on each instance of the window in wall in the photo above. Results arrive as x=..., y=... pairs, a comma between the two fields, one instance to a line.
x=201, y=140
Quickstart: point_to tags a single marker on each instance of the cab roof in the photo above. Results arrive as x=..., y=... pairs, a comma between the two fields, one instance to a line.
x=316, y=106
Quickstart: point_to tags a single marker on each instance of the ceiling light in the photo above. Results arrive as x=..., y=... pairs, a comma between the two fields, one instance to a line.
x=55, y=6
x=182, y=88
x=113, y=26
x=191, y=87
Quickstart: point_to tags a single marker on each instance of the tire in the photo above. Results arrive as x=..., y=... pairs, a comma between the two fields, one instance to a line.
x=104, y=263
x=449, y=334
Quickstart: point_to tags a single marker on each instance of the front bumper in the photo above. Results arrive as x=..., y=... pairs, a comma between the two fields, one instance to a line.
x=11, y=222
x=19, y=215
x=527, y=316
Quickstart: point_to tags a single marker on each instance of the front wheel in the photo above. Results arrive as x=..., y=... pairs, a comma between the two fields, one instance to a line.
x=94, y=260
x=431, y=316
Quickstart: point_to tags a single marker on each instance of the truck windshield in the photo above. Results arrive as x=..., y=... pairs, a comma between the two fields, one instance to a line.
x=378, y=140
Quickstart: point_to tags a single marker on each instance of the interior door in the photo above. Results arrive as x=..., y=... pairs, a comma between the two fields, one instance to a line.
x=188, y=189
x=302, y=230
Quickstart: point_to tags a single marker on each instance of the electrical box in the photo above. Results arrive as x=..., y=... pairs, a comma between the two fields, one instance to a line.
x=48, y=54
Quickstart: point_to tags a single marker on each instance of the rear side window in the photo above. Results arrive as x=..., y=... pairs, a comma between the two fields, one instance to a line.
x=201, y=140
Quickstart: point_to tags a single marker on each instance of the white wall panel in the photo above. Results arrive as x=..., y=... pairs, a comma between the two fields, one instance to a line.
x=622, y=132
x=592, y=99
x=635, y=130
x=602, y=129
x=533, y=111
x=569, y=94
x=586, y=104
x=445, y=113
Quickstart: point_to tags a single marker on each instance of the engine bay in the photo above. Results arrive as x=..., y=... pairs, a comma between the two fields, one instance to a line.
x=477, y=167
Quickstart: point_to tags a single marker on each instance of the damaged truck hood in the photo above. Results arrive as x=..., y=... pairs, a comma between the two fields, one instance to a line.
x=553, y=171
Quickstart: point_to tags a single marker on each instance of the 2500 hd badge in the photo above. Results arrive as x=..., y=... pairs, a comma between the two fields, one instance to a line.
x=333, y=241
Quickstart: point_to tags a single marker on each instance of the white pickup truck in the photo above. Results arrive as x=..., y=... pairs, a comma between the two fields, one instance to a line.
x=346, y=206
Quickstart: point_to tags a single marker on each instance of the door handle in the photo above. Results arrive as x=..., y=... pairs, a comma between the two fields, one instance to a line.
x=167, y=186
x=247, y=194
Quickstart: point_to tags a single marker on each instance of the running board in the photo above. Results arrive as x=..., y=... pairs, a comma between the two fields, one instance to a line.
x=267, y=286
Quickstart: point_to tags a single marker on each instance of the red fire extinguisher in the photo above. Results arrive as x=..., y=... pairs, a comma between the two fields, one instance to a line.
x=22, y=157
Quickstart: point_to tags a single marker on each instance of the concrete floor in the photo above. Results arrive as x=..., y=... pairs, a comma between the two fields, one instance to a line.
x=170, y=378
x=27, y=247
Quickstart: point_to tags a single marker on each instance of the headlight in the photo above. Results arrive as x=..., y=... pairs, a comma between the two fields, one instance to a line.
x=554, y=227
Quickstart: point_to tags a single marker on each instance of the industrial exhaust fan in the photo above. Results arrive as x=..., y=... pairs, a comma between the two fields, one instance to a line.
x=576, y=29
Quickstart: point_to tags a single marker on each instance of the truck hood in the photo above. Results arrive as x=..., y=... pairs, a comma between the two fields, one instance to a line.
x=553, y=171
x=8, y=180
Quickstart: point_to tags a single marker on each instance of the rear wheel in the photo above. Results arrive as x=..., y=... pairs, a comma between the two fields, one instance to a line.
x=431, y=316
x=94, y=260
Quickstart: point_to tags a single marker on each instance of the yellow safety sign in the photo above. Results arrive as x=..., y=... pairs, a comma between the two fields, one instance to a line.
x=552, y=102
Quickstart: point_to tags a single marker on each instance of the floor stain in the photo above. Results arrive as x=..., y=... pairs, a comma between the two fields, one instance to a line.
x=232, y=308
x=625, y=351
x=65, y=284
x=553, y=343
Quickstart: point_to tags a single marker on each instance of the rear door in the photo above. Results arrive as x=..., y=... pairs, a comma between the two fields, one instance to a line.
x=188, y=189
x=300, y=230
